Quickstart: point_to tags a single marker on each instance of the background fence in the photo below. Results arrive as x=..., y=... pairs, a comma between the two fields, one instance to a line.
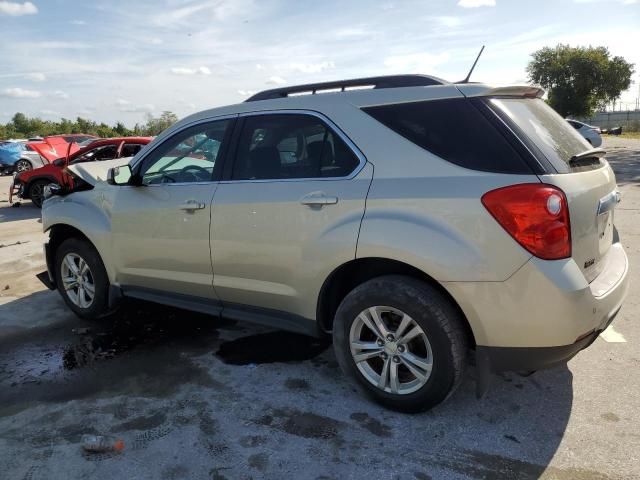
x=628, y=120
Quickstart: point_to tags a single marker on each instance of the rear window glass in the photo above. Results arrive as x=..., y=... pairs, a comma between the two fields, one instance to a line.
x=547, y=130
x=455, y=130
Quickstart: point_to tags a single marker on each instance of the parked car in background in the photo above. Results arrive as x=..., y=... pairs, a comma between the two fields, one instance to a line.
x=589, y=132
x=19, y=157
x=24, y=155
x=31, y=184
x=417, y=223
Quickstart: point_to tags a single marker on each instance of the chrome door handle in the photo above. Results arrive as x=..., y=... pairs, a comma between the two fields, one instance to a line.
x=191, y=205
x=318, y=200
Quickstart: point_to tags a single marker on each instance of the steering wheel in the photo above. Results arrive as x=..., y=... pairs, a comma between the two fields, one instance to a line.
x=196, y=171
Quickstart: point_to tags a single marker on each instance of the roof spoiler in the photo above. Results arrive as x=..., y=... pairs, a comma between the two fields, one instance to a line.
x=512, y=91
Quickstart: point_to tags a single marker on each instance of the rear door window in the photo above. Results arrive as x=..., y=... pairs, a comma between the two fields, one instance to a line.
x=456, y=130
x=546, y=130
x=290, y=146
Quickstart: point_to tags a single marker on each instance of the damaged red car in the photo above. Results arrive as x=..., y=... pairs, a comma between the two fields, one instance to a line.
x=31, y=184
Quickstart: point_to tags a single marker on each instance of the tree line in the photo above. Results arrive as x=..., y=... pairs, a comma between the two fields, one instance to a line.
x=22, y=126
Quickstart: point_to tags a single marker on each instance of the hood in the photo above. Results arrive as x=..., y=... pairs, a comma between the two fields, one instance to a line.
x=94, y=172
x=53, y=148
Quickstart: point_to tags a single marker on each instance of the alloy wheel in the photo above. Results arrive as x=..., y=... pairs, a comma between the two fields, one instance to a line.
x=23, y=166
x=391, y=350
x=78, y=280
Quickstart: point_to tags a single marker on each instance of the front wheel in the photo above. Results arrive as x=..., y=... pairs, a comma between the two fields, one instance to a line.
x=36, y=192
x=82, y=279
x=402, y=341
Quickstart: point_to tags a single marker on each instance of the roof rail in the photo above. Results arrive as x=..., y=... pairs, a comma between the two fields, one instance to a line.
x=388, y=81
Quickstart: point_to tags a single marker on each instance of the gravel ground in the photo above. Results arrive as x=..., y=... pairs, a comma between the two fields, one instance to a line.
x=195, y=397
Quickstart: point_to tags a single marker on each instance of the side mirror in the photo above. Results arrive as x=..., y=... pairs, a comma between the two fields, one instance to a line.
x=119, y=175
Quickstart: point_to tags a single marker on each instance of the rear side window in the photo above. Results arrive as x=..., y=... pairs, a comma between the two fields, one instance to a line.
x=547, y=130
x=288, y=146
x=130, y=149
x=455, y=130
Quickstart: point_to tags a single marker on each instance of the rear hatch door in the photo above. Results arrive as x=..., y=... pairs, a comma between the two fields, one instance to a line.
x=581, y=172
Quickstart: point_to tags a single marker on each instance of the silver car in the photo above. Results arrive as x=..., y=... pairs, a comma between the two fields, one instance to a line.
x=589, y=132
x=416, y=222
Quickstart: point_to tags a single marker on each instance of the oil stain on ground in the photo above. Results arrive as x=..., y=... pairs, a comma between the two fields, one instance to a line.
x=301, y=424
x=146, y=350
x=271, y=347
x=369, y=423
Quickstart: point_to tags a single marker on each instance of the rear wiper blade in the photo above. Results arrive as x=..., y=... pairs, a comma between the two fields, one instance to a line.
x=587, y=154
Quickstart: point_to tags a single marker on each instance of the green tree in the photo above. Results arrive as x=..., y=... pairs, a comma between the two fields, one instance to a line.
x=579, y=80
x=155, y=125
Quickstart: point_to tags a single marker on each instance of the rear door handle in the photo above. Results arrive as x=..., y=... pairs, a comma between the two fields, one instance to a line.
x=318, y=199
x=191, y=205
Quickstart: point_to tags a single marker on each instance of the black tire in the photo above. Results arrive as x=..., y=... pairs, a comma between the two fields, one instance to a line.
x=433, y=312
x=99, y=306
x=36, y=192
x=23, y=165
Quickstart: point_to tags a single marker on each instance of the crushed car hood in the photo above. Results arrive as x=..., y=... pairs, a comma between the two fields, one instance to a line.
x=94, y=172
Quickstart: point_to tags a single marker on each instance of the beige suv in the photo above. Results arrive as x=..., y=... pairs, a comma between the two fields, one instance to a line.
x=417, y=221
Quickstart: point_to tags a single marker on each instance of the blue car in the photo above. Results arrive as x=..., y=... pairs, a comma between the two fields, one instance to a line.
x=18, y=157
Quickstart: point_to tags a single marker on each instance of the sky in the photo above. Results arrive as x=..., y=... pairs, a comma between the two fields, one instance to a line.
x=119, y=60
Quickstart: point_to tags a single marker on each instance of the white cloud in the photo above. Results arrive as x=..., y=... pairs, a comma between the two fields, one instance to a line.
x=312, y=67
x=18, y=92
x=212, y=9
x=275, y=80
x=60, y=94
x=246, y=93
x=449, y=21
x=14, y=9
x=130, y=108
x=51, y=113
x=351, y=32
x=78, y=22
x=191, y=71
x=415, y=62
x=476, y=3
x=155, y=41
x=259, y=67
x=122, y=102
x=61, y=45
x=36, y=76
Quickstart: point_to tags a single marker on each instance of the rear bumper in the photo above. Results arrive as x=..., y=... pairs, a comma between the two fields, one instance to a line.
x=545, y=304
x=499, y=359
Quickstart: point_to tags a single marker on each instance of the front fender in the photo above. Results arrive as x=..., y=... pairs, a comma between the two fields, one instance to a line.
x=86, y=212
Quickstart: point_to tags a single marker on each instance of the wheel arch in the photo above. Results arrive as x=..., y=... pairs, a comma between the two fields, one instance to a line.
x=349, y=275
x=59, y=232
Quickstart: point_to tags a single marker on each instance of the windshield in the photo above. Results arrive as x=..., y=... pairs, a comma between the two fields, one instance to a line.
x=547, y=130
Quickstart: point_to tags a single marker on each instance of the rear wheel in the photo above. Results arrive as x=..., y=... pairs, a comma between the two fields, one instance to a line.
x=36, y=192
x=82, y=279
x=401, y=341
x=23, y=165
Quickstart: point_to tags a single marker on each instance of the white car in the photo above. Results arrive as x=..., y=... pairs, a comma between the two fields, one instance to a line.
x=589, y=132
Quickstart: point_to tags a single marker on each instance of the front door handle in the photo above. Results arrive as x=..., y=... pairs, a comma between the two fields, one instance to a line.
x=318, y=199
x=191, y=205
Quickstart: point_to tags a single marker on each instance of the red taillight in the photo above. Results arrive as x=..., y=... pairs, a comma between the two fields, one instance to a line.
x=535, y=215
